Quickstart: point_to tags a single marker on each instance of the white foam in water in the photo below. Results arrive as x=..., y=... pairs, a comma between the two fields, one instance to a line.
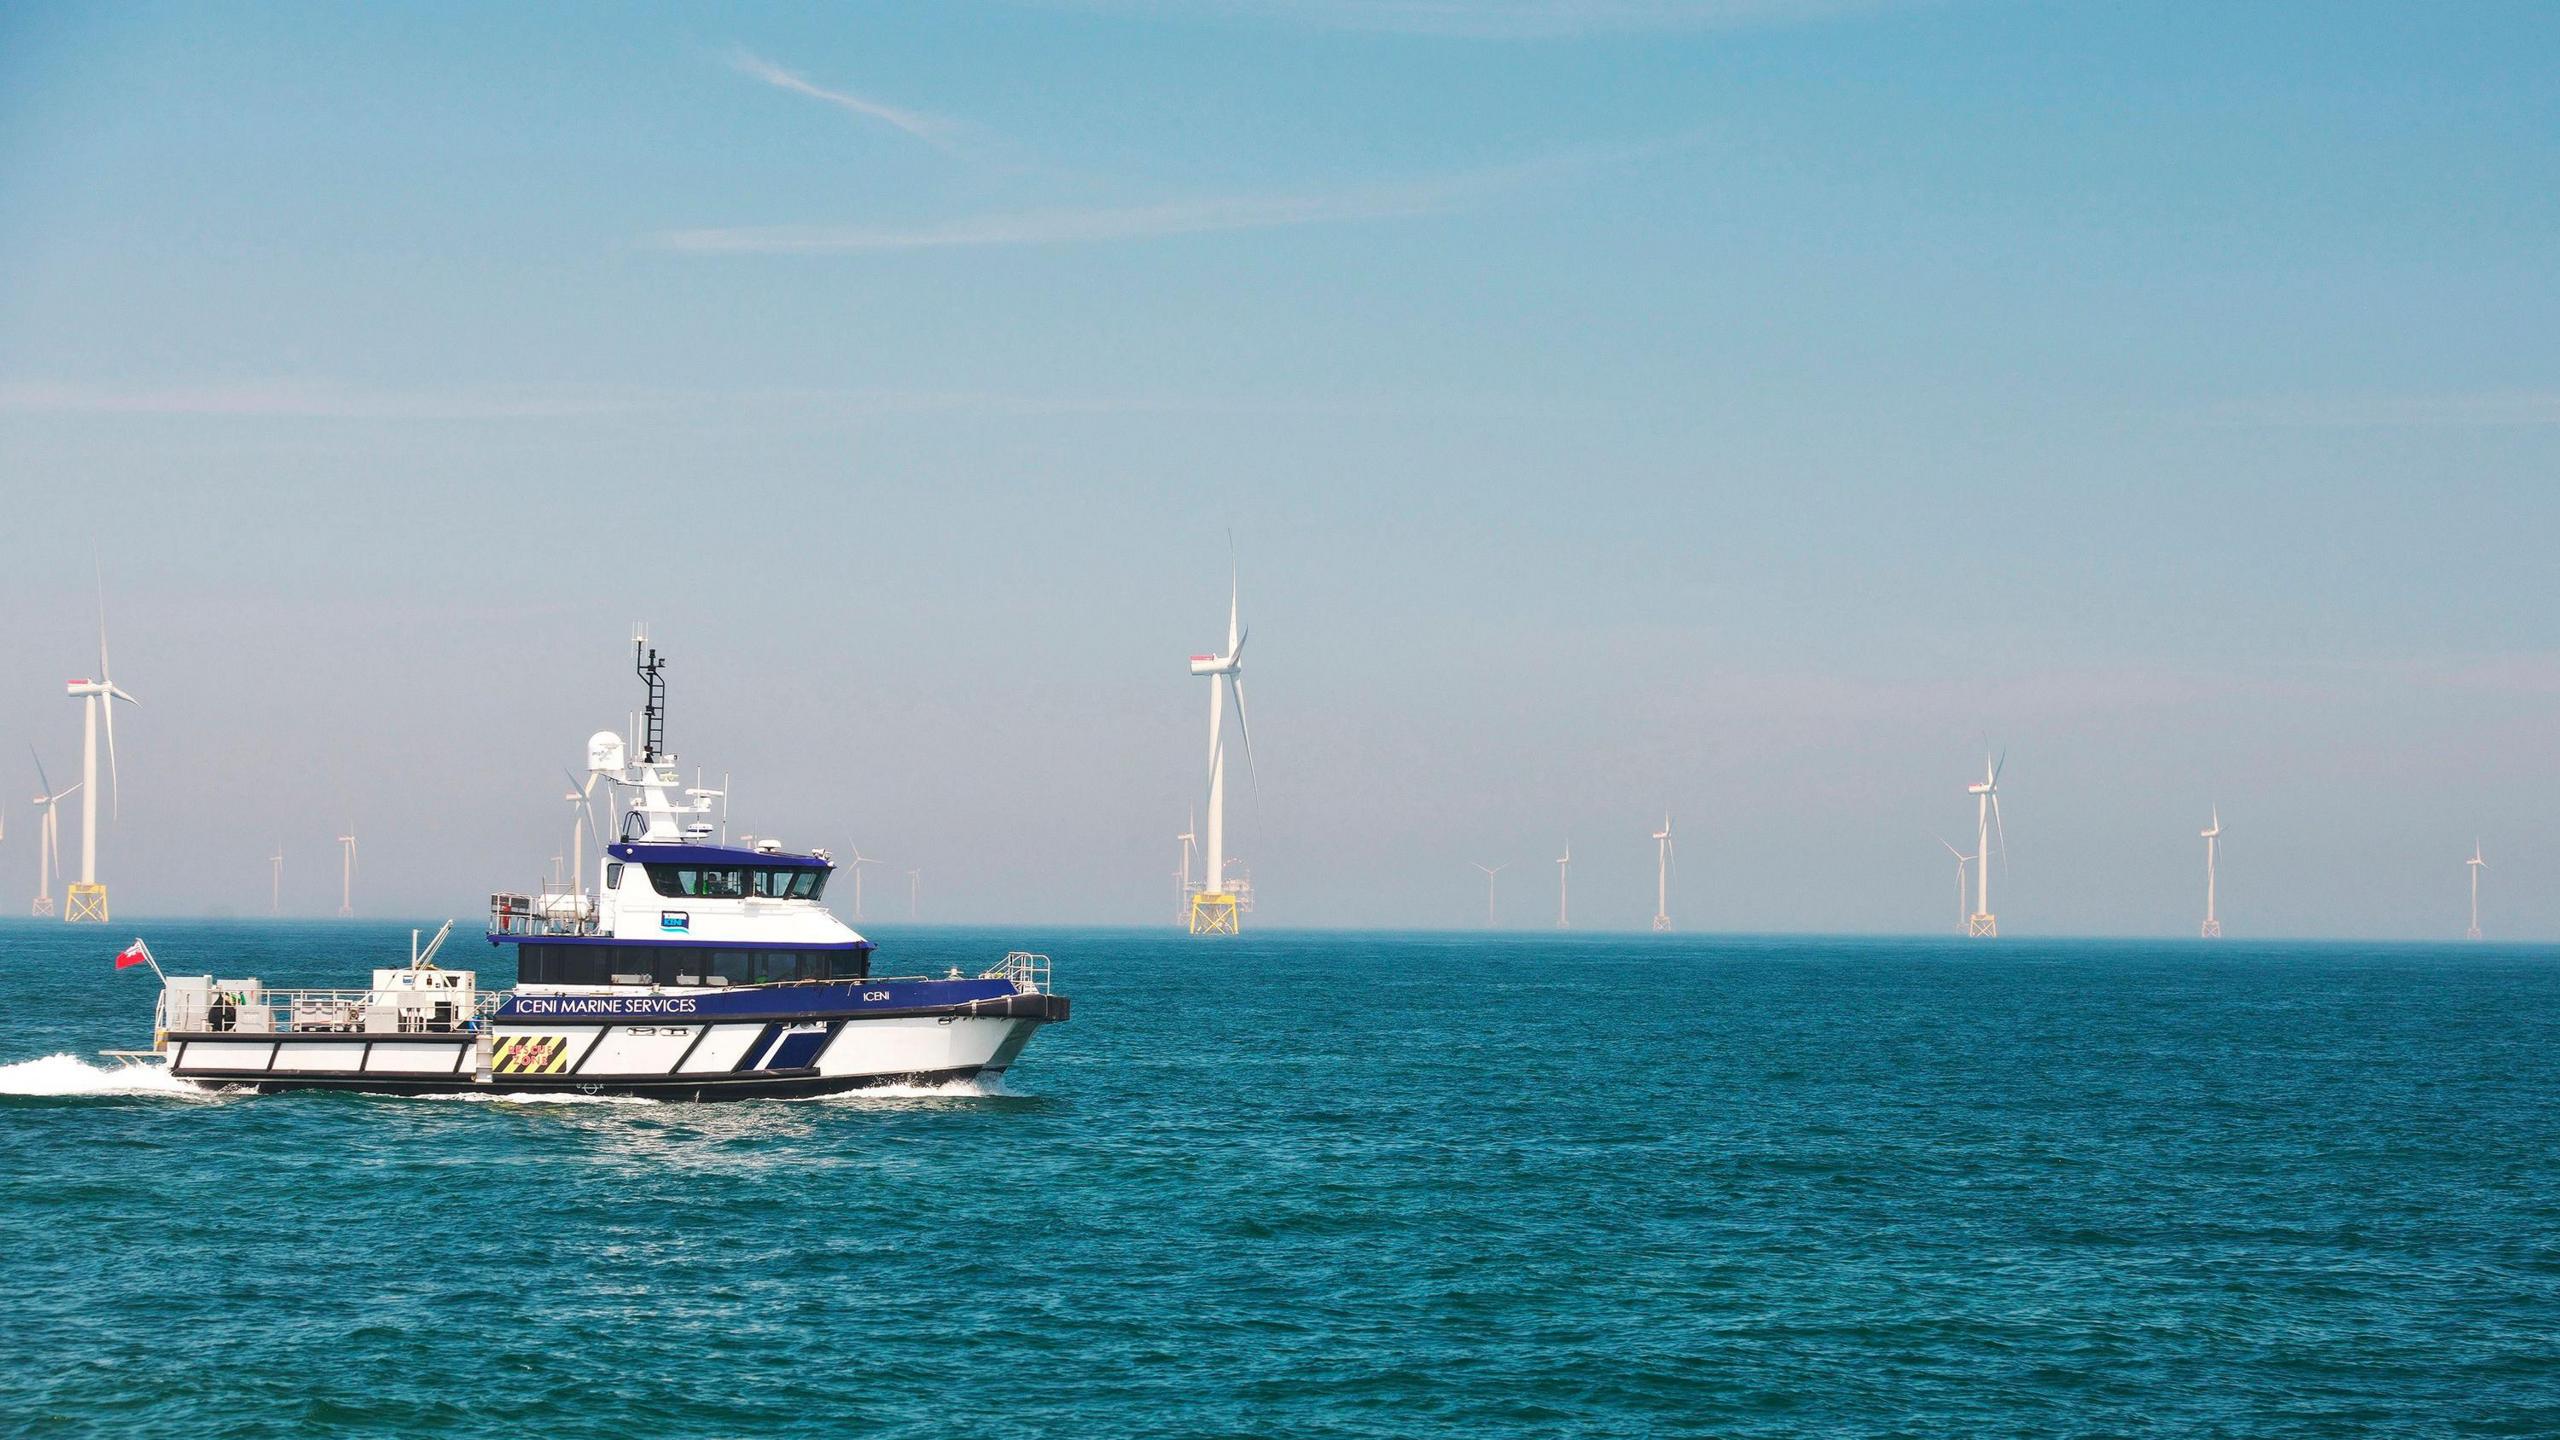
x=70, y=1075
x=985, y=1087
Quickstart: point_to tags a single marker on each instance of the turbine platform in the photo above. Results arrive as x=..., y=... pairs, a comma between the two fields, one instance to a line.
x=1213, y=914
x=2213, y=929
x=1982, y=927
x=1661, y=923
x=86, y=902
x=42, y=907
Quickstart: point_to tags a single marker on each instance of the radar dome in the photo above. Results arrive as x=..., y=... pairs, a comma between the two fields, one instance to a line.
x=604, y=751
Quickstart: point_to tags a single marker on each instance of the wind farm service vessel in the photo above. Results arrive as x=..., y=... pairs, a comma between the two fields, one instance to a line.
x=695, y=970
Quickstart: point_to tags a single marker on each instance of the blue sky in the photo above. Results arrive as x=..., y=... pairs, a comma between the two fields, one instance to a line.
x=1757, y=409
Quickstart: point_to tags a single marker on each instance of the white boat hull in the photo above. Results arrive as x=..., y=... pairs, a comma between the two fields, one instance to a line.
x=662, y=1057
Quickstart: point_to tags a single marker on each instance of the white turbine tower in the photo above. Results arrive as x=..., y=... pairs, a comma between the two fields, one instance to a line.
x=1489, y=872
x=347, y=877
x=2212, y=852
x=87, y=899
x=2476, y=865
x=1662, y=874
x=915, y=879
x=1213, y=909
x=1564, y=888
x=1982, y=925
x=1962, y=860
x=275, y=882
x=48, y=839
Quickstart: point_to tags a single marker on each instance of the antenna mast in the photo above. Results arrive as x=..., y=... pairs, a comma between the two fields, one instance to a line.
x=653, y=737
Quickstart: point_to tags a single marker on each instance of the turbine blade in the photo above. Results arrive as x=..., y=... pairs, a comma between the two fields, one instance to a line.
x=1235, y=682
x=40, y=775
x=2002, y=764
x=1235, y=600
x=2002, y=830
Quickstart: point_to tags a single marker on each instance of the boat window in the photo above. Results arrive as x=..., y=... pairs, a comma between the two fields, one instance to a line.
x=723, y=884
x=557, y=964
x=807, y=884
x=613, y=876
x=673, y=881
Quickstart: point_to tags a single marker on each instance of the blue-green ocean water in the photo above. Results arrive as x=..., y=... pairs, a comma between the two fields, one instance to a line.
x=1354, y=1185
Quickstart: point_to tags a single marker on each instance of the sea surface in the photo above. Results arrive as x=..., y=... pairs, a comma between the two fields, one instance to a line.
x=1348, y=1185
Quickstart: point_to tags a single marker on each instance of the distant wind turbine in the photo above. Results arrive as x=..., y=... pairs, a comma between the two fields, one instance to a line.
x=1564, y=888
x=1189, y=839
x=275, y=882
x=1489, y=872
x=1662, y=874
x=915, y=879
x=860, y=860
x=2212, y=852
x=48, y=836
x=1983, y=925
x=2477, y=865
x=347, y=877
x=1214, y=909
x=1962, y=860
x=86, y=899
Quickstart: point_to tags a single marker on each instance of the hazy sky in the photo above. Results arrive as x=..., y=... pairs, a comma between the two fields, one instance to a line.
x=1752, y=408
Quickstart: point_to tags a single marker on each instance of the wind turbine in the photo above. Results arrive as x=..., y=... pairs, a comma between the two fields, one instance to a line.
x=2212, y=851
x=1982, y=925
x=48, y=838
x=1213, y=910
x=1662, y=874
x=915, y=878
x=275, y=882
x=1182, y=877
x=87, y=899
x=860, y=860
x=1962, y=860
x=1489, y=872
x=2477, y=865
x=347, y=879
x=581, y=795
x=1564, y=888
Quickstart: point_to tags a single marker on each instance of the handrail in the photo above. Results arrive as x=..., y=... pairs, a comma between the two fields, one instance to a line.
x=554, y=912
x=1028, y=970
x=253, y=1009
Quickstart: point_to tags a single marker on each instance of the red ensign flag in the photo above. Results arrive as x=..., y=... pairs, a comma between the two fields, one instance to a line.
x=136, y=953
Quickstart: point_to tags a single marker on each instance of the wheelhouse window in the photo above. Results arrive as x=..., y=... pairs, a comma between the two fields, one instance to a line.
x=613, y=876
x=683, y=965
x=693, y=882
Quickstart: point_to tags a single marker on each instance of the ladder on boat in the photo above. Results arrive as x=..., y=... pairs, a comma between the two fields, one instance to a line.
x=482, y=1048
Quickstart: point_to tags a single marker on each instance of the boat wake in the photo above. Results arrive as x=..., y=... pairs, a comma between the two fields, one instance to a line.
x=57, y=1076
x=983, y=1088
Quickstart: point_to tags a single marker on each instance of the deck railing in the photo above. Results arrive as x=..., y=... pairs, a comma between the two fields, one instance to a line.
x=252, y=1009
x=1028, y=970
x=553, y=912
